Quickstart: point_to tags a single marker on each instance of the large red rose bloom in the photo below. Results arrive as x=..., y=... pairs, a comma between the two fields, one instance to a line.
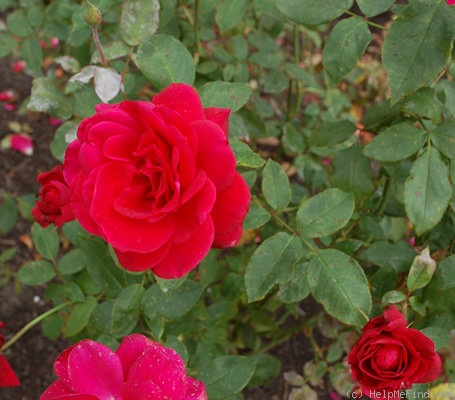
x=158, y=181
x=389, y=357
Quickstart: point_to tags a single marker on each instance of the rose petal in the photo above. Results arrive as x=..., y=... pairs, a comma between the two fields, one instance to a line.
x=183, y=99
x=144, y=390
x=124, y=233
x=220, y=116
x=195, y=389
x=214, y=155
x=95, y=369
x=229, y=212
x=184, y=257
x=138, y=262
x=7, y=376
x=22, y=143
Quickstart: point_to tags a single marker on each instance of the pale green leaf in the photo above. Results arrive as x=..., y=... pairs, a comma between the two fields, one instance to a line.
x=139, y=20
x=422, y=270
x=275, y=185
x=338, y=282
x=417, y=45
x=233, y=95
x=396, y=143
x=443, y=137
x=271, y=263
x=427, y=191
x=227, y=375
x=313, y=12
x=164, y=60
x=229, y=13
x=325, y=213
x=345, y=44
x=372, y=8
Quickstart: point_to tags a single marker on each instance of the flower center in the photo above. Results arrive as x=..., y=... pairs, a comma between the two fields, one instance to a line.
x=388, y=357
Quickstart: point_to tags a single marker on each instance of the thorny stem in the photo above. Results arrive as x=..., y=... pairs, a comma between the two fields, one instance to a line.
x=366, y=20
x=96, y=39
x=32, y=323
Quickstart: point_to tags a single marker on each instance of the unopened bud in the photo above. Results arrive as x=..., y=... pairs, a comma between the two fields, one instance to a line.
x=93, y=15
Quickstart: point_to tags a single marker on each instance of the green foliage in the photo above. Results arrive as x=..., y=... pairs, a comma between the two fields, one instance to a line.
x=344, y=132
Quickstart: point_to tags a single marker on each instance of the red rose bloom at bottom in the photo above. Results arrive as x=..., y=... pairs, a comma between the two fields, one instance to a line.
x=140, y=369
x=7, y=376
x=54, y=206
x=389, y=357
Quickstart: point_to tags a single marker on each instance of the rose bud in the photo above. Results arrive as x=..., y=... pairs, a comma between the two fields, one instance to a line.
x=54, y=205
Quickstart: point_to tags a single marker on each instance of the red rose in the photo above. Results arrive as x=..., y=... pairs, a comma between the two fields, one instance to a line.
x=389, y=357
x=158, y=181
x=7, y=376
x=54, y=206
x=140, y=369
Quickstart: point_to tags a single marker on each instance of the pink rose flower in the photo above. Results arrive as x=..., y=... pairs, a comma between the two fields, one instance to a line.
x=7, y=376
x=157, y=180
x=139, y=369
x=54, y=205
x=389, y=357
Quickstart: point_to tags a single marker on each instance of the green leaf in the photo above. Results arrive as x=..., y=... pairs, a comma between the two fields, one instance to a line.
x=164, y=60
x=275, y=185
x=125, y=312
x=440, y=338
x=227, y=375
x=245, y=156
x=424, y=103
x=8, y=214
x=46, y=240
x=18, y=24
x=427, y=191
x=101, y=267
x=229, y=13
x=59, y=143
x=71, y=262
x=256, y=217
x=352, y=171
x=6, y=44
x=422, y=270
x=313, y=12
x=396, y=143
x=338, y=282
x=275, y=81
x=32, y=54
x=443, y=137
x=332, y=133
x=325, y=213
x=233, y=95
x=52, y=326
x=139, y=20
x=345, y=44
x=371, y=8
x=268, y=367
x=46, y=97
x=36, y=272
x=417, y=45
x=271, y=263
x=79, y=316
x=384, y=254
x=174, y=303
x=295, y=289
x=393, y=297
